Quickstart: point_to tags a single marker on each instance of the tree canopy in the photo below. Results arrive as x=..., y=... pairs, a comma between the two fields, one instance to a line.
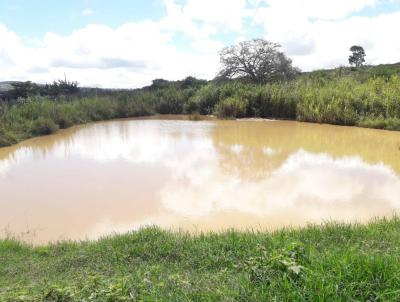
x=357, y=57
x=258, y=60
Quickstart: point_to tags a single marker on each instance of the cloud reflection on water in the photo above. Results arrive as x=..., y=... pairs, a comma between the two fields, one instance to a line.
x=118, y=176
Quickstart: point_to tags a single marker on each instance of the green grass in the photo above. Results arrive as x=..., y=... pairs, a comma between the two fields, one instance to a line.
x=333, y=262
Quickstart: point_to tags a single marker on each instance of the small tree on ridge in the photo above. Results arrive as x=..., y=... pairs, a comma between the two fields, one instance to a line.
x=357, y=58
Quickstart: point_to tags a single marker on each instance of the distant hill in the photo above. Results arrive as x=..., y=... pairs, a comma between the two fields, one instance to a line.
x=362, y=74
x=6, y=86
x=5, y=89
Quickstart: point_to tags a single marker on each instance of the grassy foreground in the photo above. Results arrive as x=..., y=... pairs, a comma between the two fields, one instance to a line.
x=333, y=262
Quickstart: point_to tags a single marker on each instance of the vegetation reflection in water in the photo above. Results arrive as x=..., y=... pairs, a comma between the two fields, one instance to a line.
x=211, y=175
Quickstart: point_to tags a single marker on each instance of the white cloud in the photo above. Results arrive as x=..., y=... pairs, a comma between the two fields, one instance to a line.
x=315, y=33
x=9, y=46
x=128, y=56
x=132, y=54
x=223, y=14
x=318, y=34
x=319, y=9
x=87, y=12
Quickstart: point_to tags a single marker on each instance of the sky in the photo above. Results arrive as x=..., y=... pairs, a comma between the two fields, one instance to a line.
x=128, y=43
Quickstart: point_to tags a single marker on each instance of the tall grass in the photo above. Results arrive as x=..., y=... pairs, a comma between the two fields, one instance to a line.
x=342, y=101
x=348, y=102
x=39, y=116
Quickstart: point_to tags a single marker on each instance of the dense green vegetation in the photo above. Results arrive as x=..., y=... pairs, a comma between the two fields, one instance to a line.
x=333, y=262
x=367, y=97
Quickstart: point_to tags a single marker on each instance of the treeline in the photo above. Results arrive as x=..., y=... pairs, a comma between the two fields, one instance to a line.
x=24, y=90
x=64, y=89
x=344, y=96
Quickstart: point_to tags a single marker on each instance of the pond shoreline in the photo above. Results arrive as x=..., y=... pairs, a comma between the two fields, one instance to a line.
x=187, y=117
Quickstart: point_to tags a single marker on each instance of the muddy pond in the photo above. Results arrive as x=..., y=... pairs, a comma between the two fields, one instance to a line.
x=116, y=176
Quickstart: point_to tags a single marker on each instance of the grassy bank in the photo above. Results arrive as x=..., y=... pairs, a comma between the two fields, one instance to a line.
x=41, y=116
x=333, y=262
x=367, y=97
x=374, y=103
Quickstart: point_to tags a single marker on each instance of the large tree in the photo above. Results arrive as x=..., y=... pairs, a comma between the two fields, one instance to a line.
x=357, y=57
x=259, y=60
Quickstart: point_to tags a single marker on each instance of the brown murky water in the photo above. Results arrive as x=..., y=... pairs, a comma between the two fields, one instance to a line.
x=117, y=176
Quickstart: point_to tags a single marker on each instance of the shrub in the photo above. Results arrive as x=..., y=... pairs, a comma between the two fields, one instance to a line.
x=287, y=264
x=43, y=126
x=231, y=108
x=6, y=138
x=380, y=123
x=206, y=98
x=191, y=106
x=195, y=117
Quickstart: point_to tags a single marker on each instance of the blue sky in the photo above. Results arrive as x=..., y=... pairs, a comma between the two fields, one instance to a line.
x=33, y=18
x=126, y=43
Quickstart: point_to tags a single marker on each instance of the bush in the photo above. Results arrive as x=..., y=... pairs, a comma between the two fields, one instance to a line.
x=206, y=98
x=231, y=108
x=44, y=126
x=381, y=123
x=195, y=117
x=6, y=138
x=191, y=107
